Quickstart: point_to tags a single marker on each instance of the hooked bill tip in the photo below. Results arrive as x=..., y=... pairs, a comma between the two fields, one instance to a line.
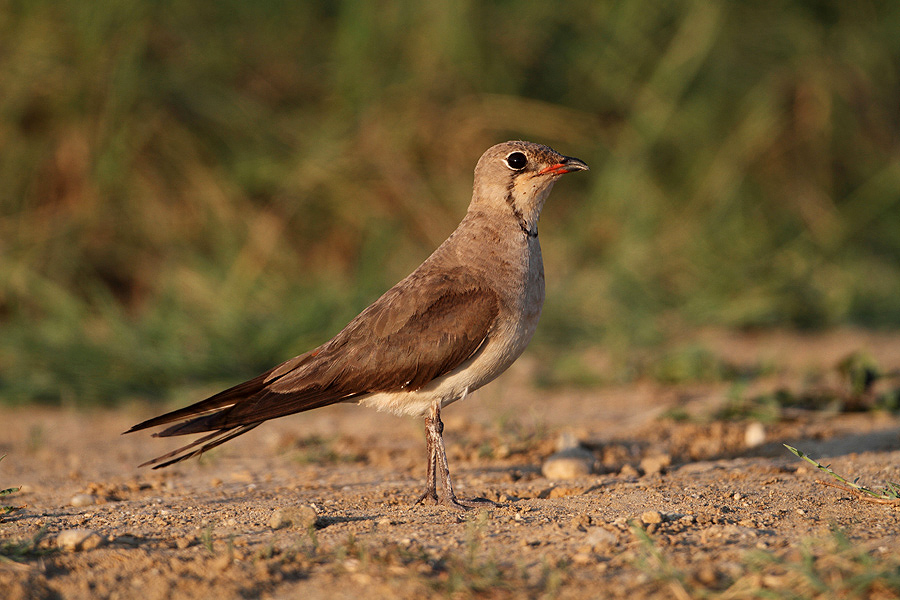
x=575, y=164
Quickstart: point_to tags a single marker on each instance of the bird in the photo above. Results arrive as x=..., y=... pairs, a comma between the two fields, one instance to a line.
x=454, y=324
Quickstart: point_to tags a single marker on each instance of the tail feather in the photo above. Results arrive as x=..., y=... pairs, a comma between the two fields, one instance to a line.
x=213, y=404
x=206, y=442
x=214, y=415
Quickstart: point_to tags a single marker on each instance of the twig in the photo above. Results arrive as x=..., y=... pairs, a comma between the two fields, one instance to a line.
x=891, y=493
x=858, y=494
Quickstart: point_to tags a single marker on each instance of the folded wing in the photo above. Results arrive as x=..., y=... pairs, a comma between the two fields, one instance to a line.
x=421, y=329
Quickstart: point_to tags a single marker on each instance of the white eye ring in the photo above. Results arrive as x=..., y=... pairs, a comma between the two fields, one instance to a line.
x=516, y=161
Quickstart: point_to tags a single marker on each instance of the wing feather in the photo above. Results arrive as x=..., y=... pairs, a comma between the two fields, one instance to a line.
x=421, y=329
x=410, y=349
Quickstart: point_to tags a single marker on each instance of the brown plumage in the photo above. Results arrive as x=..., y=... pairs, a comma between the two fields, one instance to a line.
x=454, y=324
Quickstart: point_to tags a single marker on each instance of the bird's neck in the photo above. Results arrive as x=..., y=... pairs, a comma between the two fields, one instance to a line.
x=525, y=206
x=496, y=243
x=510, y=227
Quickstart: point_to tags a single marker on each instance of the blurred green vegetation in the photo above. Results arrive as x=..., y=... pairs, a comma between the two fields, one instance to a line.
x=193, y=191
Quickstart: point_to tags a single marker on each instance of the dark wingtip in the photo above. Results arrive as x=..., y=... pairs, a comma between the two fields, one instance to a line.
x=148, y=423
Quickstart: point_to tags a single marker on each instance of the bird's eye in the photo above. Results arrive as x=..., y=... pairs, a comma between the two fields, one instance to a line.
x=516, y=161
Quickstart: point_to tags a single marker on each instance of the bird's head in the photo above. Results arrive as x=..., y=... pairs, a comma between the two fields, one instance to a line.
x=520, y=175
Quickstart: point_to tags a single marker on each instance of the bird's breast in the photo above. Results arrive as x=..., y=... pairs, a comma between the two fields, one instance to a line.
x=523, y=298
x=518, y=280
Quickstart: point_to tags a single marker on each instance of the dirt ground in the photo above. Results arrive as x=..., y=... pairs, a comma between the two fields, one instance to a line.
x=677, y=504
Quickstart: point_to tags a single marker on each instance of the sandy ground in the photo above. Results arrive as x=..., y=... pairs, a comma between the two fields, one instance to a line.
x=321, y=504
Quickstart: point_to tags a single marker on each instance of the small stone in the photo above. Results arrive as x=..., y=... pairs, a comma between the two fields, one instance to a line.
x=302, y=517
x=651, y=516
x=581, y=521
x=754, y=435
x=581, y=558
x=628, y=471
x=75, y=540
x=83, y=500
x=279, y=519
x=568, y=464
x=652, y=465
x=564, y=491
x=599, y=537
x=707, y=575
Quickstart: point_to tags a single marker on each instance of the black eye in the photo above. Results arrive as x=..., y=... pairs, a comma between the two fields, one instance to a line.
x=517, y=161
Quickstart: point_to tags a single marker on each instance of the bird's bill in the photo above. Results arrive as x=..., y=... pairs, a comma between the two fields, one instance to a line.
x=567, y=165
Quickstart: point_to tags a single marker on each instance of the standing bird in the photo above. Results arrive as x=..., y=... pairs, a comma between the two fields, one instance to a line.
x=454, y=324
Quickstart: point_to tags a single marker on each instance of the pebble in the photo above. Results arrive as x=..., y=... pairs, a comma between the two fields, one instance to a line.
x=563, y=491
x=83, y=500
x=628, y=471
x=581, y=521
x=568, y=464
x=707, y=575
x=652, y=465
x=754, y=435
x=599, y=537
x=75, y=540
x=651, y=516
x=302, y=517
x=581, y=558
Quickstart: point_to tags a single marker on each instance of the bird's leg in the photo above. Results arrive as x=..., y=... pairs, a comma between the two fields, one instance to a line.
x=432, y=431
x=437, y=459
x=448, y=498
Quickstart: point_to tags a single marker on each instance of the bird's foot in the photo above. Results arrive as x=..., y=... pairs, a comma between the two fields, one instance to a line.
x=451, y=501
x=429, y=497
x=470, y=503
